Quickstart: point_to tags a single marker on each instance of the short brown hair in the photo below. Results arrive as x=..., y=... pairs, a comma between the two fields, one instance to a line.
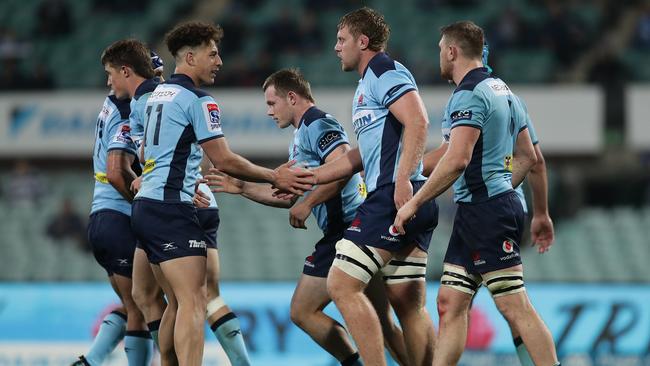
x=467, y=36
x=370, y=23
x=192, y=34
x=287, y=80
x=131, y=53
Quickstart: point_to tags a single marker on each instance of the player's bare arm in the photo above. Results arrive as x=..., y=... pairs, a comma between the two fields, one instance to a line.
x=119, y=172
x=411, y=113
x=293, y=180
x=219, y=182
x=541, y=226
x=431, y=159
x=343, y=167
x=523, y=158
x=301, y=211
x=451, y=166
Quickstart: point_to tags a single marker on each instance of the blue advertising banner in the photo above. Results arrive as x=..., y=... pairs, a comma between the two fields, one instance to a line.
x=49, y=324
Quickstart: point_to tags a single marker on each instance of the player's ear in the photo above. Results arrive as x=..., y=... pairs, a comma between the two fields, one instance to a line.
x=363, y=42
x=189, y=58
x=292, y=98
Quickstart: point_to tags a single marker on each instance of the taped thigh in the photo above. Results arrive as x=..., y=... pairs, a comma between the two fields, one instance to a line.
x=504, y=283
x=459, y=279
x=405, y=270
x=358, y=261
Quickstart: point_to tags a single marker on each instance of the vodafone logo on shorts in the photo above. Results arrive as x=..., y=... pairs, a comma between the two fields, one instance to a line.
x=508, y=247
x=393, y=231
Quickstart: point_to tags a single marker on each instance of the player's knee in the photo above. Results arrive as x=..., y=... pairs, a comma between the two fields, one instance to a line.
x=450, y=306
x=358, y=261
x=298, y=316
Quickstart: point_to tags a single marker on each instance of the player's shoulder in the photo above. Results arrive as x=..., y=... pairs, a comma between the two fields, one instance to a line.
x=314, y=117
x=146, y=87
x=122, y=107
x=382, y=65
x=186, y=83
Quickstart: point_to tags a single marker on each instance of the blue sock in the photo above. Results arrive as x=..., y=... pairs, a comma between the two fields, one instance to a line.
x=352, y=360
x=138, y=346
x=522, y=353
x=110, y=334
x=228, y=333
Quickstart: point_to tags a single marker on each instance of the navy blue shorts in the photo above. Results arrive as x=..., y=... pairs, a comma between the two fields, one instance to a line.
x=209, y=220
x=168, y=230
x=319, y=262
x=112, y=241
x=376, y=215
x=486, y=235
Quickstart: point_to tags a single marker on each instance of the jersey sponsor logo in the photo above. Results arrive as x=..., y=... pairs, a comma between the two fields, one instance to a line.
x=460, y=115
x=149, y=165
x=212, y=116
x=163, y=94
x=508, y=246
x=362, y=119
x=329, y=139
x=123, y=135
x=309, y=261
x=362, y=189
x=476, y=257
x=507, y=163
x=393, y=231
x=200, y=244
x=101, y=177
x=498, y=87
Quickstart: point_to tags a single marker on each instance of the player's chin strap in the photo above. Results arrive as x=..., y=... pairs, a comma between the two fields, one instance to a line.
x=484, y=57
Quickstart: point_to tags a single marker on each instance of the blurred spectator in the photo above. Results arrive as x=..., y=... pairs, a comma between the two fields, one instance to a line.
x=235, y=32
x=509, y=30
x=642, y=36
x=41, y=78
x=565, y=35
x=67, y=224
x=121, y=6
x=311, y=36
x=282, y=34
x=54, y=18
x=11, y=78
x=11, y=47
x=24, y=188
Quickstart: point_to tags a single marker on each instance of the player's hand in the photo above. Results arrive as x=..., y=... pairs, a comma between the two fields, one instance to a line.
x=542, y=233
x=219, y=181
x=289, y=179
x=404, y=215
x=136, y=184
x=298, y=214
x=403, y=193
x=200, y=199
x=283, y=195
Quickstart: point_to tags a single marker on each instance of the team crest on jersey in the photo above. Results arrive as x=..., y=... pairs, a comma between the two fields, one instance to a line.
x=360, y=102
x=456, y=116
x=123, y=135
x=212, y=116
x=105, y=112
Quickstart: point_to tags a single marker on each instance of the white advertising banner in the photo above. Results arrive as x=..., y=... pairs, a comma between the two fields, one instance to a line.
x=638, y=117
x=61, y=124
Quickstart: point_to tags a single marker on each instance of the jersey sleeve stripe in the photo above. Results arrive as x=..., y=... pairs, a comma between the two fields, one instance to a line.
x=396, y=97
x=209, y=138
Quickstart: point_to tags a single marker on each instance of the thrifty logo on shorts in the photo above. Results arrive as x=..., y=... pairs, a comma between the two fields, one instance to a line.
x=197, y=244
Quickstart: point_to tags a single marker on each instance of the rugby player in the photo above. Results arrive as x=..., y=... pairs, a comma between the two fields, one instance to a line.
x=180, y=119
x=484, y=247
x=318, y=139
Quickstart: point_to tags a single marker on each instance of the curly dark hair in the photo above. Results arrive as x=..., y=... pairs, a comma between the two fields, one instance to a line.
x=192, y=34
x=131, y=53
x=370, y=23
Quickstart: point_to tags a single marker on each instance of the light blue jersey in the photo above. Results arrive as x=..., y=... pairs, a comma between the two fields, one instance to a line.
x=379, y=133
x=178, y=117
x=111, y=133
x=136, y=120
x=483, y=102
x=316, y=137
x=523, y=121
